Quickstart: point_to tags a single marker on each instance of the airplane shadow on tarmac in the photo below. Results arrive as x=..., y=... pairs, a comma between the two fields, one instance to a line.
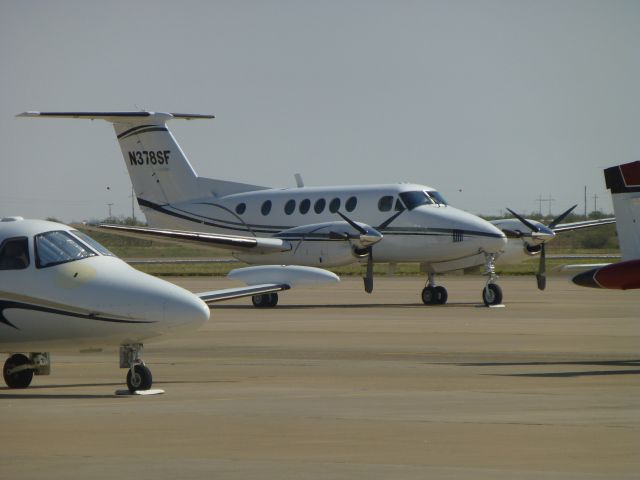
x=354, y=305
x=570, y=374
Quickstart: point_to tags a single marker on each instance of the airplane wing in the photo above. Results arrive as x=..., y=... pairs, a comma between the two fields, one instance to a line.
x=231, y=293
x=232, y=242
x=567, y=227
x=269, y=279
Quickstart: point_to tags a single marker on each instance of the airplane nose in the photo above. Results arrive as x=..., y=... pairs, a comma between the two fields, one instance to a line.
x=495, y=240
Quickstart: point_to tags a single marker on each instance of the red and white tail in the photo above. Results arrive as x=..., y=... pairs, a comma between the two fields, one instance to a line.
x=624, y=183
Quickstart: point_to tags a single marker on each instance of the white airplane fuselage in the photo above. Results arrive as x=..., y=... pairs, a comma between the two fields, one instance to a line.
x=89, y=303
x=428, y=233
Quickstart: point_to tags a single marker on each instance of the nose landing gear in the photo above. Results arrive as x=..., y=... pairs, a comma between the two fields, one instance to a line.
x=491, y=293
x=139, y=376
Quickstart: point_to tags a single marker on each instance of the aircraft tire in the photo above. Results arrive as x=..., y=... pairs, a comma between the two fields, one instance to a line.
x=441, y=295
x=429, y=295
x=20, y=379
x=265, y=300
x=140, y=380
x=492, y=294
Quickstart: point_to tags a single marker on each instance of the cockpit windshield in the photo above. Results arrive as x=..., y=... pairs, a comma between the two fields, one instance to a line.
x=56, y=247
x=92, y=243
x=415, y=199
x=437, y=197
x=421, y=197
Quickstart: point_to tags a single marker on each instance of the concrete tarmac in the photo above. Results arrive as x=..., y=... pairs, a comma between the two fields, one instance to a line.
x=338, y=384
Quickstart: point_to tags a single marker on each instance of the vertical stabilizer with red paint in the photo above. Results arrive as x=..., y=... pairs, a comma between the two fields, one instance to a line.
x=624, y=183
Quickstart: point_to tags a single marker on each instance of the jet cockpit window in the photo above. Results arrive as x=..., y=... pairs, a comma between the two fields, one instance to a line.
x=385, y=203
x=54, y=248
x=415, y=199
x=439, y=199
x=101, y=249
x=14, y=254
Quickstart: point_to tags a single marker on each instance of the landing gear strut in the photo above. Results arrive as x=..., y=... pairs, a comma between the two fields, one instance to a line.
x=432, y=294
x=491, y=293
x=139, y=376
x=265, y=300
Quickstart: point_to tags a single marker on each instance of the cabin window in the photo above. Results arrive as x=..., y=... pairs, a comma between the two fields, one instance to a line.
x=399, y=206
x=351, y=204
x=305, y=205
x=289, y=207
x=56, y=247
x=385, y=203
x=334, y=205
x=266, y=207
x=318, y=207
x=14, y=254
x=241, y=208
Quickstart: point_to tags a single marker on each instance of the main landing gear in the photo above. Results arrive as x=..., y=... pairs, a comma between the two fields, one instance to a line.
x=139, y=376
x=265, y=300
x=19, y=369
x=432, y=294
x=491, y=293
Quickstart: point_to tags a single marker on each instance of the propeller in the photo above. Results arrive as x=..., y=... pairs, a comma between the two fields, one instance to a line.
x=367, y=240
x=542, y=235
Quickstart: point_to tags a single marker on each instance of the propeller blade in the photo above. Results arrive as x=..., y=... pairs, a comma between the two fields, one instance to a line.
x=561, y=217
x=524, y=221
x=352, y=223
x=368, y=279
x=388, y=221
x=541, y=276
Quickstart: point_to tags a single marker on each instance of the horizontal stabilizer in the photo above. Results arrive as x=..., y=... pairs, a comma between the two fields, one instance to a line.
x=119, y=117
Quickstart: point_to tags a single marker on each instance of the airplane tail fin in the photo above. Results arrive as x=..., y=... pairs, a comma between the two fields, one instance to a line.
x=159, y=169
x=624, y=183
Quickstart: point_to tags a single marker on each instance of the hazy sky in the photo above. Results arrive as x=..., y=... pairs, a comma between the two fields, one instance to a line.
x=492, y=102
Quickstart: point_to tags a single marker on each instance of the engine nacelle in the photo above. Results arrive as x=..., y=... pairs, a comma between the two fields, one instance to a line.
x=517, y=250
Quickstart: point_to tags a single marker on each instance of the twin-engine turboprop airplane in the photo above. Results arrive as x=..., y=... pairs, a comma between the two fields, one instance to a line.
x=313, y=226
x=624, y=183
x=60, y=291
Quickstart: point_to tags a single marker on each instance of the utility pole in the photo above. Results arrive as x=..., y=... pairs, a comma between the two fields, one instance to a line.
x=595, y=202
x=540, y=200
x=585, y=202
x=109, y=205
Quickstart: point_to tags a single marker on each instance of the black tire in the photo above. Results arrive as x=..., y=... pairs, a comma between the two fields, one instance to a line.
x=441, y=295
x=429, y=295
x=492, y=294
x=21, y=379
x=265, y=300
x=140, y=380
x=273, y=299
